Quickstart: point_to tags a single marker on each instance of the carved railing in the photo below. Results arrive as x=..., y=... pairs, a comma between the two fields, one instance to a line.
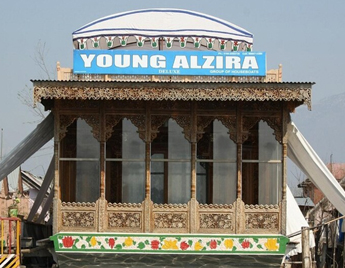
x=124, y=218
x=78, y=216
x=170, y=218
x=236, y=218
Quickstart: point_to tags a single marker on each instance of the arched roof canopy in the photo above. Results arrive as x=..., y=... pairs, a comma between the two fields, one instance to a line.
x=162, y=29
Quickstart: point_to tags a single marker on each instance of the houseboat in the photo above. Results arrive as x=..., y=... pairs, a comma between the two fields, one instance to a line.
x=170, y=145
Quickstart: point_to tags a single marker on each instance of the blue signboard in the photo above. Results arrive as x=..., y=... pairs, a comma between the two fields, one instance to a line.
x=153, y=62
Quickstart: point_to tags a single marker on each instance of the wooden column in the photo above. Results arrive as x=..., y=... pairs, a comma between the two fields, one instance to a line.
x=57, y=195
x=306, y=258
x=148, y=204
x=239, y=150
x=285, y=120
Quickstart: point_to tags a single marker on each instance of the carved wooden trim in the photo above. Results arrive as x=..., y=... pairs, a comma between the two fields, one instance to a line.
x=248, y=123
x=110, y=122
x=185, y=123
x=140, y=122
x=202, y=123
x=97, y=90
x=65, y=122
x=230, y=123
x=156, y=122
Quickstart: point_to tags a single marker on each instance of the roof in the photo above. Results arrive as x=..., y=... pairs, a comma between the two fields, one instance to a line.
x=187, y=91
x=165, y=23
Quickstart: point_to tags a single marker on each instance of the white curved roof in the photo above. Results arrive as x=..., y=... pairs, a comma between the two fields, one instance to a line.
x=163, y=23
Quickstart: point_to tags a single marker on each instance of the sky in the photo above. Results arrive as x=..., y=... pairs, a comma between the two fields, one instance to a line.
x=306, y=37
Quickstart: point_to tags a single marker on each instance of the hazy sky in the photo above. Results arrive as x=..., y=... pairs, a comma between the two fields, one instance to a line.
x=306, y=37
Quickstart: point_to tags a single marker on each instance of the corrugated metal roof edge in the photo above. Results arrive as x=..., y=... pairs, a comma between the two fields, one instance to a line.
x=160, y=81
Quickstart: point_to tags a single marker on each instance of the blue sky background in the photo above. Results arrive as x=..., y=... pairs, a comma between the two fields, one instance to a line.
x=306, y=37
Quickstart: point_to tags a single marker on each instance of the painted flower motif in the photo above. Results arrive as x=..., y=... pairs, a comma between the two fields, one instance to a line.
x=245, y=244
x=228, y=243
x=111, y=242
x=198, y=246
x=67, y=241
x=128, y=242
x=272, y=244
x=154, y=244
x=184, y=245
x=170, y=244
x=93, y=241
x=213, y=244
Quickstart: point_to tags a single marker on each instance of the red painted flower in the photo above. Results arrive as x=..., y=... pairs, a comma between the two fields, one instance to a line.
x=213, y=244
x=154, y=244
x=245, y=244
x=67, y=241
x=184, y=245
x=111, y=242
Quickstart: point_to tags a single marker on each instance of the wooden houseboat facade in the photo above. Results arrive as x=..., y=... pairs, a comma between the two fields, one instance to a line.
x=169, y=170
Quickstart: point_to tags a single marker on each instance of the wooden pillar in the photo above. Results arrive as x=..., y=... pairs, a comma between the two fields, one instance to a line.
x=148, y=204
x=239, y=151
x=306, y=258
x=285, y=119
x=57, y=195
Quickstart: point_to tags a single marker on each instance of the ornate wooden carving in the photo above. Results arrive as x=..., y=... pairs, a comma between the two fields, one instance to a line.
x=216, y=221
x=140, y=122
x=124, y=219
x=185, y=123
x=248, y=123
x=230, y=123
x=110, y=122
x=156, y=122
x=65, y=122
x=170, y=220
x=78, y=219
x=202, y=123
x=93, y=122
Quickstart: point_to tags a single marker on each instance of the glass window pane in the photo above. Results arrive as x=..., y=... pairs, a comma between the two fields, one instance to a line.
x=88, y=181
x=224, y=183
x=179, y=182
x=269, y=147
x=179, y=147
x=133, y=182
x=125, y=180
x=270, y=183
x=87, y=145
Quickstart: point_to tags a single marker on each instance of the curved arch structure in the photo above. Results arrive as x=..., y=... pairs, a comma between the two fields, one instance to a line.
x=167, y=25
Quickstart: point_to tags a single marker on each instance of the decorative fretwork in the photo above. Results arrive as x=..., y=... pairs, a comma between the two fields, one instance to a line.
x=216, y=221
x=156, y=122
x=65, y=122
x=267, y=221
x=276, y=124
x=78, y=204
x=140, y=122
x=185, y=123
x=124, y=219
x=215, y=206
x=248, y=123
x=202, y=123
x=93, y=122
x=230, y=123
x=98, y=90
x=110, y=122
x=124, y=205
x=78, y=218
x=170, y=220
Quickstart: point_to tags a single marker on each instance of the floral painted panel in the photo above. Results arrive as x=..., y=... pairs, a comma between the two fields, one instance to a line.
x=196, y=244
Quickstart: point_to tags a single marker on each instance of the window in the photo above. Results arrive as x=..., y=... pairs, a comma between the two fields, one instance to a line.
x=170, y=165
x=216, y=166
x=125, y=165
x=261, y=166
x=79, y=164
